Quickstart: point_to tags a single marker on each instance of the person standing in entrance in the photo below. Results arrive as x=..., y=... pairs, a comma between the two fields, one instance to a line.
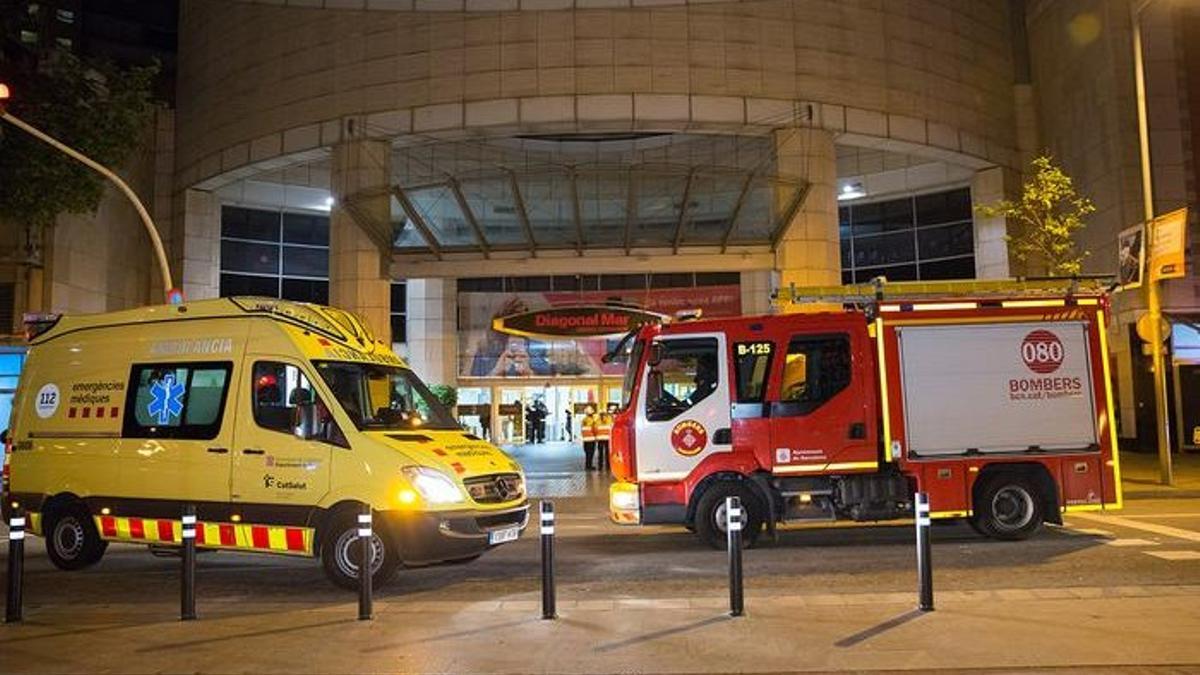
x=587, y=432
x=604, y=425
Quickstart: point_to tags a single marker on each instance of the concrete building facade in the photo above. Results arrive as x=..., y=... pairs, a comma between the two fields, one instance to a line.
x=478, y=148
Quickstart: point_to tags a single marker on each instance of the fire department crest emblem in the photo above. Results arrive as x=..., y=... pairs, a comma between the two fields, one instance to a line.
x=689, y=438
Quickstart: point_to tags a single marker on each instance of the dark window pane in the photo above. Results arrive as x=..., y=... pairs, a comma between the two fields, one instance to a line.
x=300, y=228
x=897, y=214
x=845, y=253
x=399, y=297
x=249, y=223
x=678, y=280
x=240, y=256
x=887, y=249
x=566, y=283
x=944, y=207
x=526, y=284
x=844, y=216
x=718, y=278
x=959, y=268
x=867, y=218
x=399, y=328
x=240, y=284
x=893, y=273
x=305, y=262
x=615, y=282
x=847, y=277
x=481, y=285
x=306, y=290
x=946, y=241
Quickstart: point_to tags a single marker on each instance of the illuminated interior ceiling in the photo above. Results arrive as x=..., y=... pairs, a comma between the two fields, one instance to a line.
x=593, y=191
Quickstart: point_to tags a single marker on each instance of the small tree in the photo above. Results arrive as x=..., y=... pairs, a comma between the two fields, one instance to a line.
x=93, y=106
x=1045, y=220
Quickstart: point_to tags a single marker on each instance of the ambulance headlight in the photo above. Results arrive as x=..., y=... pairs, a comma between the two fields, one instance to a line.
x=435, y=487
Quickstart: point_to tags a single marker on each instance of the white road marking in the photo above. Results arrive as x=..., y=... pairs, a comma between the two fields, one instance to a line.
x=1165, y=530
x=1089, y=531
x=1131, y=542
x=1175, y=555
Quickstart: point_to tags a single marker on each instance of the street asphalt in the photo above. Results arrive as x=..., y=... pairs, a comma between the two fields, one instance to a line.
x=1116, y=590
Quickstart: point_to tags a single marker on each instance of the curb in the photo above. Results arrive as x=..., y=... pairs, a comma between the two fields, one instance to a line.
x=1162, y=493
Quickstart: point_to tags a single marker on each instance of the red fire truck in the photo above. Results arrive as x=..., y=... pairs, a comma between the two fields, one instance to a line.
x=993, y=397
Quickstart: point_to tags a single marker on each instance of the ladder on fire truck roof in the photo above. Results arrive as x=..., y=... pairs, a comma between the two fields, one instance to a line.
x=880, y=290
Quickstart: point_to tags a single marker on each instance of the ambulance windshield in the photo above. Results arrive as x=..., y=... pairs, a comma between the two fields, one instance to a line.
x=385, y=398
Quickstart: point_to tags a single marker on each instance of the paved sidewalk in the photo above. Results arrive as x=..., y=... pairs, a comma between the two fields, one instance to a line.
x=1083, y=627
x=1139, y=476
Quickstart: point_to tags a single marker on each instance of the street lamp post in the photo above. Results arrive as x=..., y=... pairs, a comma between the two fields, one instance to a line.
x=169, y=290
x=1153, y=302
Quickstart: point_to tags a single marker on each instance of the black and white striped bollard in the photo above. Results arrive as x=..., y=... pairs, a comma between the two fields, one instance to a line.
x=548, y=598
x=733, y=531
x=16, y=566
x=187, y=532
x=365, y=564
x=924, y=560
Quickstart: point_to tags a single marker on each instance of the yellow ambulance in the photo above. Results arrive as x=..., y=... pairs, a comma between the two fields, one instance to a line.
x=275, y=419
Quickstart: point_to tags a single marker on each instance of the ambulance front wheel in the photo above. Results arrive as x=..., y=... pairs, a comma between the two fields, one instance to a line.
x=72, y=541
x=341, y=553
x=710, y=523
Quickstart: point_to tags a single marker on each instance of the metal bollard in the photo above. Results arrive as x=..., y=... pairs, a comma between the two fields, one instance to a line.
x=16, y=566
x=365, y=564
x=187, y=599
x=733, y=531
x=924, y=560
x=548, y=597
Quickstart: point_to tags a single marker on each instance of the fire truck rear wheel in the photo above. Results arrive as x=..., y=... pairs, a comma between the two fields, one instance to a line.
x=1008, y=507
x=341, y=553
x=710, y=514
x=72, y=541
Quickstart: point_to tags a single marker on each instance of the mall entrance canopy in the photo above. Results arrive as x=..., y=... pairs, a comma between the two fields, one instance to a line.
x=597, y=191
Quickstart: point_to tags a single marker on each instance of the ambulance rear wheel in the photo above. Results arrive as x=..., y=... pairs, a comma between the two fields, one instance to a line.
x=341, y=553
x=72, y=541
x=1008, y=507
x=710, y=515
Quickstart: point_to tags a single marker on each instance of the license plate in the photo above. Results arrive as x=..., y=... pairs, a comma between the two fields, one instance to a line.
x=504, y=536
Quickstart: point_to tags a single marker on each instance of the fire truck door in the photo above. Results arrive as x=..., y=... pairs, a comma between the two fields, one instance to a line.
x=683, y=408
x=818, y=421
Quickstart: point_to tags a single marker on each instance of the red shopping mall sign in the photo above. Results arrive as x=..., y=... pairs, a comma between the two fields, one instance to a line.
x=576, y=321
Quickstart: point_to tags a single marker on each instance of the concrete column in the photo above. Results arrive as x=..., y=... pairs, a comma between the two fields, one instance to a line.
x=432, y=322
x=991, y=247
x=808, y=253
x=197, y=246
x=756, y=292
x=359, y=275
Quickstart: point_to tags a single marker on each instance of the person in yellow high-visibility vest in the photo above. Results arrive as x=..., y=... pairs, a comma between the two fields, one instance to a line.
x=604, y=427
x=587, y=432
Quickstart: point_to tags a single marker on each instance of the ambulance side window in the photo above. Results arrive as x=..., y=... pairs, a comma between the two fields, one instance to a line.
x=280, y=392
x=176, y=400
x=815, y=369
x=686, y=374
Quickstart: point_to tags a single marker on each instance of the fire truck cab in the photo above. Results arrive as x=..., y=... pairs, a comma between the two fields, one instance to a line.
x=994, y=398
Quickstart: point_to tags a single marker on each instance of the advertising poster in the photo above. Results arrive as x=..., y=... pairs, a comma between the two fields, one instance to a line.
x=1167, y=246
x=1131, y=256
x=484, y=352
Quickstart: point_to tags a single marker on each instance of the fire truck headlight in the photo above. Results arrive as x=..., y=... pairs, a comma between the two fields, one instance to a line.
x=433, y=485
x=624, y=497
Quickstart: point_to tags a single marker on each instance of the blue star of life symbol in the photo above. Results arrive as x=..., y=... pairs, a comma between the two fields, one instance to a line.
x=166, y=399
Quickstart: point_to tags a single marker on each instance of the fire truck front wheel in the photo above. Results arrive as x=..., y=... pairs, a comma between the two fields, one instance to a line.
x=709, y=521
x=1008, y=507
